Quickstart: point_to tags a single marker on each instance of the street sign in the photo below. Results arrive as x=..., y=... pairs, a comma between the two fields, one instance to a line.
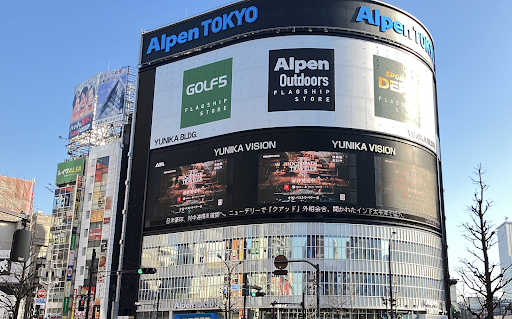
x=281, y=262
x=235, y=286
x=41, y=293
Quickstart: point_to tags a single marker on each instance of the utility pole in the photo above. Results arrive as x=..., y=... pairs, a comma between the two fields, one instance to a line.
x=91, y=270
x=228, y=284
x=391, y=300
x=245, y=291
x=281, y=262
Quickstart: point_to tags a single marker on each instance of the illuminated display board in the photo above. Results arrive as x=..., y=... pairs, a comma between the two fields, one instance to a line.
x=290, y=177
x=192, y=188
x=284, y=172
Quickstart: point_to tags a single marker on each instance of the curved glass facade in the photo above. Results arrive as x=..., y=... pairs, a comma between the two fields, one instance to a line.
x=353, y=260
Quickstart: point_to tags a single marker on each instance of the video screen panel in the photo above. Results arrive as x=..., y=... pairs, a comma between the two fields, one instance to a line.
x=192, y=188
x=408, y=187
x=305, y=176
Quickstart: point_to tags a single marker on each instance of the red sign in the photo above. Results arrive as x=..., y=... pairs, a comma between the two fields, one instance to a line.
x=41, y=293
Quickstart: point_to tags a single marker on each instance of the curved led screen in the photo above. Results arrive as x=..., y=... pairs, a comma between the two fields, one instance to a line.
x=278, y=172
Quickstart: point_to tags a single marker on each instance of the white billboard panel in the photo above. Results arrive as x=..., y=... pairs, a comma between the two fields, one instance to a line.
x=294, y=81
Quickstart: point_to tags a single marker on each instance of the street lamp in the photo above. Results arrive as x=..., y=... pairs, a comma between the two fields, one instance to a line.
x=228, y=289
x=391, y=300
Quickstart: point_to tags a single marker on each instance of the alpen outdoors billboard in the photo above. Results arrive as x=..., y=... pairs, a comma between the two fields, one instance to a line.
x=111, y=95
x=84, y=102
x=68, y=171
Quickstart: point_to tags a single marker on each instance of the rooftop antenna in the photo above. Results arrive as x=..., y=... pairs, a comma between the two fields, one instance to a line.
x=108, y=67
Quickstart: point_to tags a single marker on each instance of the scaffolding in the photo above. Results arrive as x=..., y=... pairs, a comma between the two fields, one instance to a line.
x=103, y=134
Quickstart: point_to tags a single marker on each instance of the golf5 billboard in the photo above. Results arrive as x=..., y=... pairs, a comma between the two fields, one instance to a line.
x=295, y=81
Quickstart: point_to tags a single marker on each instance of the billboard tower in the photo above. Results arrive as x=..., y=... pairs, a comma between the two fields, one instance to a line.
x=96, y=117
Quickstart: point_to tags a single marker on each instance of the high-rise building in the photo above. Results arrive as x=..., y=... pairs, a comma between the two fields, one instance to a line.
x=505, y=248
x=89, y=198
x=299, y=128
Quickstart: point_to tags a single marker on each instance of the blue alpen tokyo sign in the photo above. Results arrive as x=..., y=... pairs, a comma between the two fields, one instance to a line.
x=386, y=23
x=210, y=26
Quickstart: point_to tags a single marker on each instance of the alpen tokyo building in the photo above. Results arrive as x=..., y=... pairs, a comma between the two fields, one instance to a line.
x=296, y=128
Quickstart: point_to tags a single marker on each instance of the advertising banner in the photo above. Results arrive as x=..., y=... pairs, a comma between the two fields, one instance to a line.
x=65, y=308
x=16, y=194
x=111, y=94
x=63, y=198
x=192, y=188
x=294, y=177
x=84, y=101
x=73, y=305
x=68, y=171
x=337, y=172
x=5, y=262
x=396, y=91
x=309, y=71
x=297, y=81
x=206, y=94
x=91, y=302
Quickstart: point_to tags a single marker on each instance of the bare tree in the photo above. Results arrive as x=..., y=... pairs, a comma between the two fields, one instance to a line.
x=481, y=276
x=342, y=301
x=20, y=284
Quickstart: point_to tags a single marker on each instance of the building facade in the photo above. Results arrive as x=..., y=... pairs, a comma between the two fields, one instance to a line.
x=294, y=128
x=505, y=250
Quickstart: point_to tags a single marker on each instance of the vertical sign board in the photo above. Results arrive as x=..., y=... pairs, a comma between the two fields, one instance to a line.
x=73, y=305
x=91, y=302
x=111, y=95
x=396, y=91
x=5, y=262
x=83, y=105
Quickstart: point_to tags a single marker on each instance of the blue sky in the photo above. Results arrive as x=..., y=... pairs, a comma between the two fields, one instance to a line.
x=49, y=47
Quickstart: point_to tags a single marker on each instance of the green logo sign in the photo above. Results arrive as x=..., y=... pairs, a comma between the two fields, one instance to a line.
x=206, y=93
x=67, y=171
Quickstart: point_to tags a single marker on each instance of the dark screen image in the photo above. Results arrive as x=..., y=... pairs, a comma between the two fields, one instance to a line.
x=408, y=187
x=191, y=188
x=306, y=176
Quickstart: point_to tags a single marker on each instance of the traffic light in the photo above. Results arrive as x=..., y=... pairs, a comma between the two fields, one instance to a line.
x=146, y=271
x=258, y=294
x=245, y=286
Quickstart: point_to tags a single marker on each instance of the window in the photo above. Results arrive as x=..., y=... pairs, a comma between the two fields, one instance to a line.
x=88, y=214
x=82, y=269
x=89, y=197
x=84, y=251
x=86, y=232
